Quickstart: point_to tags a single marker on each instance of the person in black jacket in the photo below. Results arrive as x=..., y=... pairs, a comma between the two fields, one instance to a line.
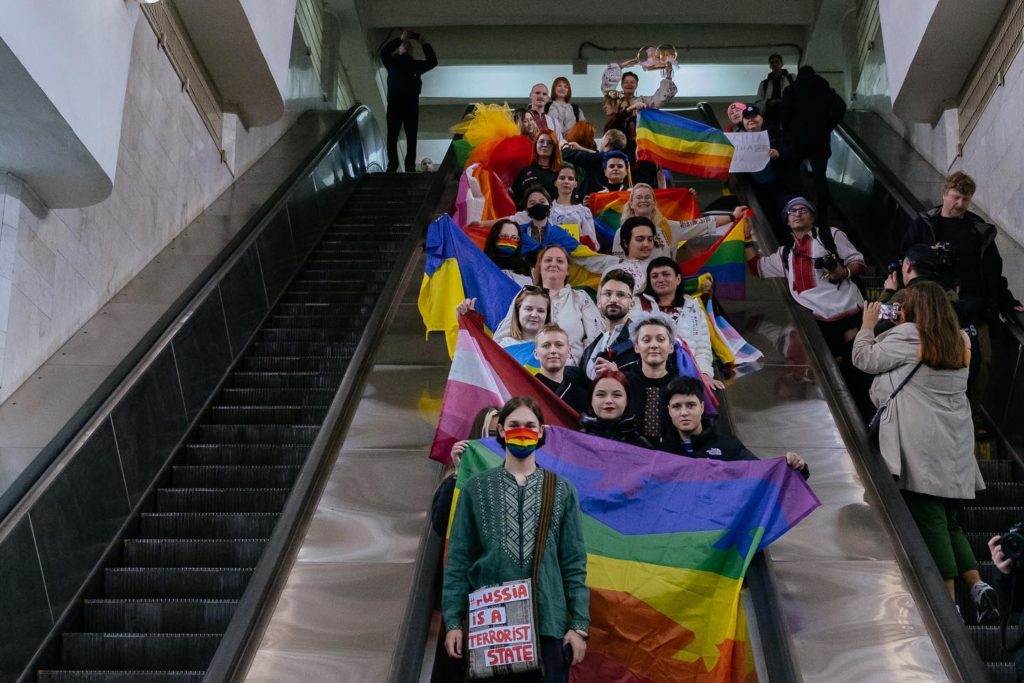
x=695, y=436
x=404, y=87
x=609, y=416
x=1010, y=601
x=568, y=382
x=614, y=345
x=811, y=110
x=977, y=267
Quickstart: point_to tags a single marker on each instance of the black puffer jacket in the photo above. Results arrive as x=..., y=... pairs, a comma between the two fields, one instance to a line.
x=626, y=429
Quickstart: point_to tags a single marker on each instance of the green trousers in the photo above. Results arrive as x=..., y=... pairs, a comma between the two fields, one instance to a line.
x=936, y=518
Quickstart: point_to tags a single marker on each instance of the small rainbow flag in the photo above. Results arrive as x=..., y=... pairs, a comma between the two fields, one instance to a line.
x=668, y=541
x=675, y=203
x=682, y=145
x=724, y=261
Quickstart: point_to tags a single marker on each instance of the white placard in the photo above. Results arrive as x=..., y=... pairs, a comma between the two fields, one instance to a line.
x=751, y=151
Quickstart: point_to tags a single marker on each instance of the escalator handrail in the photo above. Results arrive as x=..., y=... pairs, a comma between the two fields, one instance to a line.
x=159, y=335
x=949, y=635
x=242, y=638
x=911, y=205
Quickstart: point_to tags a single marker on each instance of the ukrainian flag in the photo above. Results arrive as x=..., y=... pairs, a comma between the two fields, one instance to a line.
x=455, y=270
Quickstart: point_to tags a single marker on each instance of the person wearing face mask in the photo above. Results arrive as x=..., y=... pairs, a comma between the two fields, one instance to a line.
x=572, y=309
x=693, y=435
x=504, y=247
x=493, y=539
x=539, y=231
x=642, y=202
x=568, y=383
x=609, y=416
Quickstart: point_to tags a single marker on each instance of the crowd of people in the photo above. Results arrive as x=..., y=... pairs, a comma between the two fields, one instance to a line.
x=633, y=356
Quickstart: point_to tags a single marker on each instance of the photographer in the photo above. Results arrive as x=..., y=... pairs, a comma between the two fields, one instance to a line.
x=404, y=85
x=924, y=434
x=922, y=263
x=1007, y=559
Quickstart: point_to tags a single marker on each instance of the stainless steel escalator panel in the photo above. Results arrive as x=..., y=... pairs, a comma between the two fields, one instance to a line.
x=848, y=607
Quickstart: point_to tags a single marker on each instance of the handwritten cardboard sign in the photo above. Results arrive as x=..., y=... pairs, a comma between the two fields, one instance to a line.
x=501, y=631
x=751, y=151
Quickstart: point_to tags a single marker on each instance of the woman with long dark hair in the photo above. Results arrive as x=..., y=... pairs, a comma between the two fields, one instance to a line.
x=925, y=431
x=505, y=247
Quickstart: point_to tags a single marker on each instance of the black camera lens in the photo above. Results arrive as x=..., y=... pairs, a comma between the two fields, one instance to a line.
x=1012, y=543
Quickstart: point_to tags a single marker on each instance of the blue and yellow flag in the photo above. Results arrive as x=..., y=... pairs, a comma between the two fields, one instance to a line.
x=456, y=269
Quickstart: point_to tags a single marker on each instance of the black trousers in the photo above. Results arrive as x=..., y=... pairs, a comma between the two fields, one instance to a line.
x=819, y=182
x=403, y=113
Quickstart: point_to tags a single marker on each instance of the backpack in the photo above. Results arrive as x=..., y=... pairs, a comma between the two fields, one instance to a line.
x=827, y=239
x=575, y=109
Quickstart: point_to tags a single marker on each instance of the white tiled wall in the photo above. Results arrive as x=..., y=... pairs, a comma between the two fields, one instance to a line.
x=58, y=267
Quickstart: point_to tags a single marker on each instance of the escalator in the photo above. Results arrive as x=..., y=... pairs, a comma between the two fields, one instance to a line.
x=874, y=205
x=160, y=610
x=160, y=526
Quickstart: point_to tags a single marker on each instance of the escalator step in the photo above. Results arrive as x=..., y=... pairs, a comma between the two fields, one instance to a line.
x=298, y=297
x=221, y=499
x=207, y=524
x=977, y=518
x=176, y=582
x=208, y=455
x=191, y=552
x=157, y=616
x=325, y=349
x=267, y=415
x=255, y=434
x=1000, y=493
x=293, y=364
x=996, y=470
x=341, y=281
x=268, y=397
x=336, y=335
x=326, y=322
x=297, y=380
x=54, y=676
x=979, y=543
x=144, y=651
x=1002, y=672
x=237, y=476
x=987, y=640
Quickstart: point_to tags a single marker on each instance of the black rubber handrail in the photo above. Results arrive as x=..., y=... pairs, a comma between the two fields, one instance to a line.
x=242, y=638
x=952, y=642
x=20, y=487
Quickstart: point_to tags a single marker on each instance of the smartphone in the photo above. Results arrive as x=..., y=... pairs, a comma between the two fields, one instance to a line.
x=567, y=654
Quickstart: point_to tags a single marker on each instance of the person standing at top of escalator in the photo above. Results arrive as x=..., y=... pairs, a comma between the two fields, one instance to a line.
x=811, y=110
x=769, y=92
x=404, y=85
x=977, y=267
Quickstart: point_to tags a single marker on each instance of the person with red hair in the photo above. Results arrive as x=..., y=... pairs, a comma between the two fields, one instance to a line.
x=560, y=107
x=609, y=416
x=547, y=159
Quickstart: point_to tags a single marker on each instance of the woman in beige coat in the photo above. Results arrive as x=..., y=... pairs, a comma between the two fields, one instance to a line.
x=926, y=434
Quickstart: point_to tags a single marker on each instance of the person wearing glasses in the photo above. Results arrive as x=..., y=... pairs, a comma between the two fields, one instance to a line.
x=613, y=347
x=543, y=170
x=818, y=266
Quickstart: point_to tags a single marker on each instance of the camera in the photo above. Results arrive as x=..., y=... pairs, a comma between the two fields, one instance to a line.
x=889, y=312
x=828, y=262
x=1012, y=543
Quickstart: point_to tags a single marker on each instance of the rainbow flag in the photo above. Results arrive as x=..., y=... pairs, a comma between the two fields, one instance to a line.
x=483, y=374
x=455, y=270
x=724, y=261
x=481, y=197
x=675, y=203
x=668, y=541
x=682, y=145
x=742, y=351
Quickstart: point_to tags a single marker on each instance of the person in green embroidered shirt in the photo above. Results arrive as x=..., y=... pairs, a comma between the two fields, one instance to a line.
x=493, y=538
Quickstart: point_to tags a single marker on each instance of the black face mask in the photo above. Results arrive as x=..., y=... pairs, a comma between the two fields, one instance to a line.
x=538, y=211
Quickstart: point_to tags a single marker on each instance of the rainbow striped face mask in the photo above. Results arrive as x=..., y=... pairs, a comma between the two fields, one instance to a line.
x=521, y=442
x=506, y=246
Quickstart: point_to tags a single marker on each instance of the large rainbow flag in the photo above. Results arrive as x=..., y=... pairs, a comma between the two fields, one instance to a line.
x=668, y=541
x=455, y=270
x=675, y=203
x=682, y=145
x=483, y=374
x=724, y=261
